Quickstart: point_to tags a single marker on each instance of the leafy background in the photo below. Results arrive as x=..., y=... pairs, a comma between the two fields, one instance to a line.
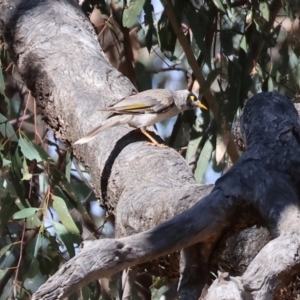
x=223, y=51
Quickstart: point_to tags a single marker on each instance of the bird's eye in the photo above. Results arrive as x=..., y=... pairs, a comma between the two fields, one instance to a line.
x=192, y=98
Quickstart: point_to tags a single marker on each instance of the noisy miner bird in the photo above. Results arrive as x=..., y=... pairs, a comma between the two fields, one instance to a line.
x=145, y=109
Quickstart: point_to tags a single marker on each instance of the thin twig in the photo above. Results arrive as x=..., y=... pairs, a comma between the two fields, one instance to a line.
x=20, y=259
x=105, y=25
x=167, y=70
x=23, y=118
x=8, y=67
x=25, y=109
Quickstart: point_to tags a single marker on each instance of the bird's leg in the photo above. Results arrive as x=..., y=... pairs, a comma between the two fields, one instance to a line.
x=153, y=141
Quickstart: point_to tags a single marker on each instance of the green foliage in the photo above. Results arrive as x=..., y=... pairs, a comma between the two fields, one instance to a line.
x=241, y=49
x=37, y=196
x=158, y=287
x=25, y=213
x=132, y=12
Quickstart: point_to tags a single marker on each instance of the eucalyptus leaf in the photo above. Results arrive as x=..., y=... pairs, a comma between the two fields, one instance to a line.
x=219, y=5
x=244, y=44
x=211, y=77
x=2, y=87
x=29, y=150
x=33, y=268
x=149, y=22
x=5, y=162
x=38, y=244
x=192, y=149
x=26, y=174
x=65, y=237
x=5, y=249
x=158, y=287
x=203, y=161
x=198, y=24
x=31, y=220
x=270, y=84
x=166, y=36
x=59, y=180
x=3, y=272
x=6, y=129
x=228, y=108
x=264, y=9
x=43, y=154
x=288, y=9
x=132, y=13
x=14, y=186
x=221, y=145
x=25, y=213
x=64, y=215
x=86, y=292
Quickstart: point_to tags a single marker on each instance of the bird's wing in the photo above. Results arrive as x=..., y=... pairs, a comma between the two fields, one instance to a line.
x=142, y=103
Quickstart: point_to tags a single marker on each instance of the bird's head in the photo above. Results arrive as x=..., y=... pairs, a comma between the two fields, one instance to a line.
x=194, y=102
x=188, y=100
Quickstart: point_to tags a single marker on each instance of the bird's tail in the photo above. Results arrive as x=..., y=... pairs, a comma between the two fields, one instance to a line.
x=110, y=122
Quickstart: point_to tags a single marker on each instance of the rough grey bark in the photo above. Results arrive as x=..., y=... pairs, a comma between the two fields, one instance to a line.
x=271, y=268
x=58, y=55
x=241, y=248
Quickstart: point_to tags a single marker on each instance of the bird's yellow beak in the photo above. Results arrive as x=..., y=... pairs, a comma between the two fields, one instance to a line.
x=202, y=106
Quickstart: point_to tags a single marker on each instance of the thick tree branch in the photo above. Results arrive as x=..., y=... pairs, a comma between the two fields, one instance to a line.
x=201, y=223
